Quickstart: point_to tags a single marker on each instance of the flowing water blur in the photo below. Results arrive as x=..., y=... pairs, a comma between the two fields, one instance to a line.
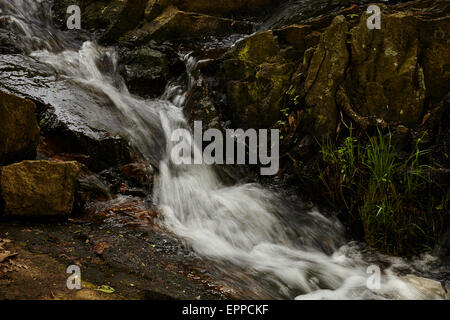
x=267, y=245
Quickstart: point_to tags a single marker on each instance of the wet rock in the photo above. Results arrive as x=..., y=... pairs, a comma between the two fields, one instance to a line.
x=73, y=120
x=173, y=24
x=38, y=188
x=267, y=70
x=332, y=64
x=128, y=18
x=147, y=69
x=19, y=131
x=200, y=106
x=9, y=43
x=90, y=188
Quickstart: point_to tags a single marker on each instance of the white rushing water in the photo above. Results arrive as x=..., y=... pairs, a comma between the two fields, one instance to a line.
x=244, y=225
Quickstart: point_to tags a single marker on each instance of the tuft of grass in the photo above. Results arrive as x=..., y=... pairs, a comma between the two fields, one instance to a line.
x=390, y=195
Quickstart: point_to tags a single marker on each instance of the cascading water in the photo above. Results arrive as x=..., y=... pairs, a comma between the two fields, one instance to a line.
x=284, y=250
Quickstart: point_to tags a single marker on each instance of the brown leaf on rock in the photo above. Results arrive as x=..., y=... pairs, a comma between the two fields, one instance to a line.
x=6, y=255
x=100, y=247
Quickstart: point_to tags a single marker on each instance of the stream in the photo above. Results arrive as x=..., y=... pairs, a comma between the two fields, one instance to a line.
x=266, y=243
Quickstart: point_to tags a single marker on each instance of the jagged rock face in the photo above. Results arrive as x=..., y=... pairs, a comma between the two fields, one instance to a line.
x=38, y=188
x=326, y=71
x=389, y=75
x=385, y=78
x=19, y=130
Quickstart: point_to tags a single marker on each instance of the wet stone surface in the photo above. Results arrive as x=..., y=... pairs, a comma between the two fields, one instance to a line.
x=137, y=259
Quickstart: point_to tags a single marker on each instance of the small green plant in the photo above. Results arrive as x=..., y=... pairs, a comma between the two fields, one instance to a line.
x=285, y=112
x=342, y=164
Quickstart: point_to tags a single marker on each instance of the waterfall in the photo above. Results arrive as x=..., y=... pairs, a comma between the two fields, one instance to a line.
x=285, y=250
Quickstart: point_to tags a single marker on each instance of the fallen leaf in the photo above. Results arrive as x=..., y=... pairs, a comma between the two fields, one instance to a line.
x=6, y=255
x=105, y=289
x=100, y=247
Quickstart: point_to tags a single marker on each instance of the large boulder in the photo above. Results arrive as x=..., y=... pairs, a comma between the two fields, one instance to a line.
x=38, y=188
x=19, y=130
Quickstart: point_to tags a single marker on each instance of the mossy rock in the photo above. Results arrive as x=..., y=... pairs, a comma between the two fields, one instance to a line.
x=257, y=104
x=385, y=78
x=258, y=48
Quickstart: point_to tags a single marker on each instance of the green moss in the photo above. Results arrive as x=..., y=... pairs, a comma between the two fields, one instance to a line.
x=243, y=53
x=390, y=52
